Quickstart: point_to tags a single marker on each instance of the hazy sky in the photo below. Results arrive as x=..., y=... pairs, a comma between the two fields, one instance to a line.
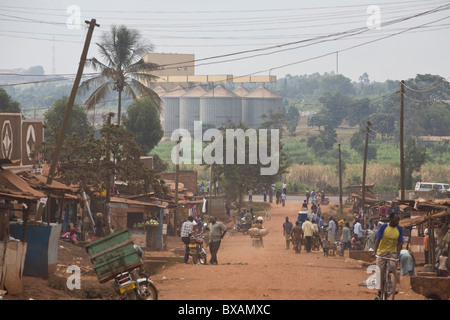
x=382, y=38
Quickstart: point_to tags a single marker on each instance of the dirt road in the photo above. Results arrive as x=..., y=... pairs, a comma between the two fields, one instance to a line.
x=270, y=273
x=243, y=272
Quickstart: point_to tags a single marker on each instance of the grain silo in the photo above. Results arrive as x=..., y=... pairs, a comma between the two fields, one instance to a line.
x=170, y=110
x=258, y=103
x=190, y=108
x=159, y=90
x=242, y=92
x=219, y=106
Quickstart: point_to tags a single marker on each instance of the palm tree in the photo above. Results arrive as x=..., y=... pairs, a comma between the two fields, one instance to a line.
x=124, y=69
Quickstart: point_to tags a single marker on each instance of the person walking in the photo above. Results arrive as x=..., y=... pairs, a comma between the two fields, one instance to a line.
x=307, y=195
x=304, y=206
x=319, y=210
x=443, y=264
x=99, y=227
x=186, y=229
x=317, y=241
x=331, y=229
x=308, y=230
x=346, y=238
x=283, y=199
x=357, y=229
x=287, y=228
x=296, y=236
x=370, y=241
x=407, y=263
x=217, y=231
x=425, y=245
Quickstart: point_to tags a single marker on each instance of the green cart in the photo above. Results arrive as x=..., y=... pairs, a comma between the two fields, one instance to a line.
x=112, y=255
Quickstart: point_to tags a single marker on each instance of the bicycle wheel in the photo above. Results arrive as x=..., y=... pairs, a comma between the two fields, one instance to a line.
x=391, y=284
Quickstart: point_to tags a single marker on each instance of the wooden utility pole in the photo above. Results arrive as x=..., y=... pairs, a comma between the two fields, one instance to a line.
x=402, y=151
x=340, y=179
x=363, y=201
x=210, y=189
x=60, y=140
x=177, y=169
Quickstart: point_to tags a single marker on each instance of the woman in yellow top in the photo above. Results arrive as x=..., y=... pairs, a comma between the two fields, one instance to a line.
x=389, y=242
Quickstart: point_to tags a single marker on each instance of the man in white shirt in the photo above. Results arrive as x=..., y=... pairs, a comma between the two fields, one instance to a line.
x=186, y=230
x=357, y=229
x=308, y=230
x=331, y=231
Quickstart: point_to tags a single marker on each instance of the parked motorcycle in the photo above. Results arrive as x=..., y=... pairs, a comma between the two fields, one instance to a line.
x=135, y=285
x=196, y=250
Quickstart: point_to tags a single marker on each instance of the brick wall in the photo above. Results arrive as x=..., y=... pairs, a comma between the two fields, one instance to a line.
x=187, y=178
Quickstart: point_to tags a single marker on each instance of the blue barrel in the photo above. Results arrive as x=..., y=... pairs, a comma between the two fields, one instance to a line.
x=42, y=248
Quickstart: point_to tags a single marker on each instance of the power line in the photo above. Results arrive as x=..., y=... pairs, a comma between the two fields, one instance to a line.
x=430, y=88
x=349, y=48
x=322, y=38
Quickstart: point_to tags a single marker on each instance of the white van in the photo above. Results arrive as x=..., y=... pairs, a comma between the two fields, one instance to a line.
x=430, y=186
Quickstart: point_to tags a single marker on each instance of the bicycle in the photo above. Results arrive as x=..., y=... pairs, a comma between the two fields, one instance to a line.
x=389, y=287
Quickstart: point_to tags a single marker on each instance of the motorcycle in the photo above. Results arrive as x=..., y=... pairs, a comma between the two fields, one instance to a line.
x=257, y=240
x=135, y=285
x=241, y=226
x=196, y=250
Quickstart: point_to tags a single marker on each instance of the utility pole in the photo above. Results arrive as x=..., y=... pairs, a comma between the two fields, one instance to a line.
x=363, y=201
x=177, y=169
x=59, y=142
x=210, y=189
x=402, y=150
x=337, y=62
x=340, y=179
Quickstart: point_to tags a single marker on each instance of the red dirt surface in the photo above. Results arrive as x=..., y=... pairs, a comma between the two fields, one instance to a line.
x=243, y=272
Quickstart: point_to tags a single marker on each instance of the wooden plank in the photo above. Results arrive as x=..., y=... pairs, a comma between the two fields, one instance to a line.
x=14, y=261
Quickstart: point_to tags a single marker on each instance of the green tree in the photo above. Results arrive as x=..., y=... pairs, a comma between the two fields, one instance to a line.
x=124, y=70
x=236, y=179
x=358, y=143
x=143, y=121
x=87, y=160
x=292, y=116
x=414, y=158
x=53, y=118
x=335, y=106
x=7, y=105
x=338, y=83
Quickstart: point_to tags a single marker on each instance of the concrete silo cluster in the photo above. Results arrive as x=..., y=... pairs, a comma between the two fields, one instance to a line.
x=181, y=107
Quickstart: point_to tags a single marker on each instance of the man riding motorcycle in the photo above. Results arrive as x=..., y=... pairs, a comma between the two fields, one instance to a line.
x=258, y=225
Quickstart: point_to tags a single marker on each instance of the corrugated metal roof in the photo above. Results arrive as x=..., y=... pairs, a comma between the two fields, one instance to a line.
x=160, y=90
x=13, y=185
x=195, y=93
x=175, y=93
x=220, y=92
x=241, y=91
x=262, y=92
x=135, y=202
